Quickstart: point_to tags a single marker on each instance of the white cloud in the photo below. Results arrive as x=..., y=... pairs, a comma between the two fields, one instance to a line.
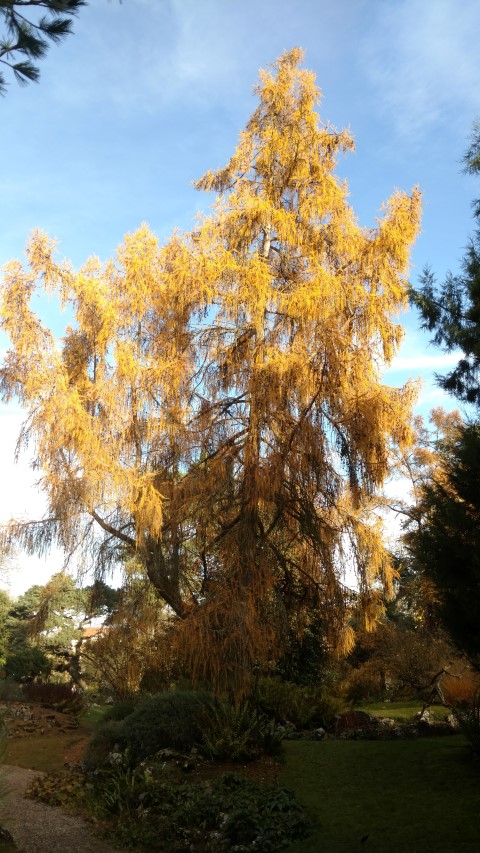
x=435, y=395
x=21, y=498
x=424, y=62
x=422, y=362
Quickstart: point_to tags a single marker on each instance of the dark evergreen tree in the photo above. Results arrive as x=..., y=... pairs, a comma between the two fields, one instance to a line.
x=446, y=544
x=444, y=540
x=30, y=25
x=452, y=311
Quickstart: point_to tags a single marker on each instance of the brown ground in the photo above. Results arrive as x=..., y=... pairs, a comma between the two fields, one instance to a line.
x=39, y=737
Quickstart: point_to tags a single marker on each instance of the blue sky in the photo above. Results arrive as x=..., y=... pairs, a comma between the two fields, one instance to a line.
x=149, y=94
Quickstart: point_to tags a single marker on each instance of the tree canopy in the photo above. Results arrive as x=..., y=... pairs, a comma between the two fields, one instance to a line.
x=444, y=541
x=215, y=407
x=30, y=26
x=452, y=310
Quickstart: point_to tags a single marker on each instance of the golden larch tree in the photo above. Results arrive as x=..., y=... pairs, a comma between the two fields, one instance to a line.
x=216, y=407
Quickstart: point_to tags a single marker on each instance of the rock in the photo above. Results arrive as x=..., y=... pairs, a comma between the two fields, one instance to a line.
x=168, y=755
x=293, y=735
x=423, y=716
x=387, y=722
x=319, y=734
x=353, y=721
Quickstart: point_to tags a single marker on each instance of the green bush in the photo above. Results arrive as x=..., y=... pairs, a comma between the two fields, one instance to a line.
x=106, y=738
x=169, y=719
x=302, y=706
x=238, y=734
x=119, y=710
x=232, y=812
x=469, y=722
x=26, y=663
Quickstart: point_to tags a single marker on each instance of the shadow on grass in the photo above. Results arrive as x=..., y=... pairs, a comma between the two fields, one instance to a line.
x=387, y=796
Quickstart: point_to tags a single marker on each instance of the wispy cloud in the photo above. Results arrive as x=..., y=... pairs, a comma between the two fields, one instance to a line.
x=152, y=54
x=423, y=362
x=423, y=60
x=434, y=395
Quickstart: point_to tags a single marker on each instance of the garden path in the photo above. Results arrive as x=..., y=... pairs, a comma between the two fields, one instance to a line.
x=38, y=828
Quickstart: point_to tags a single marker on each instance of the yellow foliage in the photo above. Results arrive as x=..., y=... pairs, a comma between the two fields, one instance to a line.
x=216, y=406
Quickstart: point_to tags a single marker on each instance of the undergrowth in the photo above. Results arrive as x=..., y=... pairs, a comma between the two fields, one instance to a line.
x=229, y=813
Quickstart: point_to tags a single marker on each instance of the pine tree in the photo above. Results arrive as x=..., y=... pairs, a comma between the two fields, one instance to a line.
x=452, y=311
x=444, y=545
x=217, y=408
x=27, y=38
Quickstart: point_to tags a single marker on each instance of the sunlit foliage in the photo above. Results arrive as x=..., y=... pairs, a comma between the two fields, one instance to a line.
x=216, y=407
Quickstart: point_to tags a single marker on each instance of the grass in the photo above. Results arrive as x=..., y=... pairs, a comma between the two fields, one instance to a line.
x=92, y=715
x=39, y=752
x=401, y=796
x=402, y=711
x=47, y=752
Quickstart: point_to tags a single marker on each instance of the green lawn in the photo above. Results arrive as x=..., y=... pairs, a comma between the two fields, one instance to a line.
x=402, y=711
x=39, y=752
x=407, y=796
x=92, y=715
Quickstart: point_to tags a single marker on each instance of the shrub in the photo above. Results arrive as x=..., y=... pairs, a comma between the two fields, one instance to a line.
x=469, y=722
x=169, y=719
x=232, y=812
x=106, y=738
x=10, y=691
x=238, y=734
x=365, y=683
x=459, y=691
x=61, y=697
x=26, y=663
x=302, y=706
x=119, y=710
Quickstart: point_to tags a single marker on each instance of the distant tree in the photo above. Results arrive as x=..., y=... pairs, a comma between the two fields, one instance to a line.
x=452, y=311
x=445, y=545
x=5, y=606
x=101, y=599
x=45, y=619
x=216, y=409
x=51, y=619
x=134, y=645
x=30, y=26
x=443, y=540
